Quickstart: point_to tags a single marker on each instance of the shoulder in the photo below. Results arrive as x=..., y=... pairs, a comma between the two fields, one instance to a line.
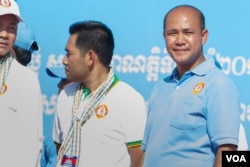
x=21, y=69
x=125, y=87
x=125, y=91
x=214, y=74
x=22, y=73
x=220, y=79
x=69, y=90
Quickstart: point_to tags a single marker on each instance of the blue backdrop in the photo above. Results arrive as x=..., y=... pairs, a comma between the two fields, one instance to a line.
x=140, y=57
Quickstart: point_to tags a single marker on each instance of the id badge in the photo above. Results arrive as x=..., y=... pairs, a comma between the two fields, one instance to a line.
x=69, y=161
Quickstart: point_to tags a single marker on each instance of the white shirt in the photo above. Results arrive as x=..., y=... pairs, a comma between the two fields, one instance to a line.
x=105, y=136
x=21, y=118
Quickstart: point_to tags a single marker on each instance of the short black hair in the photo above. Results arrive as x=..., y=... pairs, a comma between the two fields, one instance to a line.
x=96, y=36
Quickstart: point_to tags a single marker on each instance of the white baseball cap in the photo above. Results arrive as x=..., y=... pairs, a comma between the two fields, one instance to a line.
x=10, y=7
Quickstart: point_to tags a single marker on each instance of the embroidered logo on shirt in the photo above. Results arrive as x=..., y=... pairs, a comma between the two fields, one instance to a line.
x=5, y=3
x=198, y=88
x=101, y=111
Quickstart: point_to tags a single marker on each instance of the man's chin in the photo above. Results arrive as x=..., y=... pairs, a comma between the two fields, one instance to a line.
x=3, y=53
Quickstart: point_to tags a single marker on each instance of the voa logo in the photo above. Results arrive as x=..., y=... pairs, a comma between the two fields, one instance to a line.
x=236, y=158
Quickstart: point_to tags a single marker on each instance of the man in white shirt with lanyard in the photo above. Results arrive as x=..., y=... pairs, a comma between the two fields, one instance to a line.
x=99, y=119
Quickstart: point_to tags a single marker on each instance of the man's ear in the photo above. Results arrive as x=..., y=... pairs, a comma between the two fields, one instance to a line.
x=91, y=56
x=204, y=36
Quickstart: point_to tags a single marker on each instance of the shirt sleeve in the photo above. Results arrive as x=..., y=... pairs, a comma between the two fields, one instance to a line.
x=134, y=120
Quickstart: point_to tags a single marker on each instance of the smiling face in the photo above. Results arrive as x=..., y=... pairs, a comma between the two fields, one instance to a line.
x=8, y=29
x=184, y=37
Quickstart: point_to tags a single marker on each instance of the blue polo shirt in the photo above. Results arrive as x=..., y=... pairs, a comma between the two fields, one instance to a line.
x=189, y=118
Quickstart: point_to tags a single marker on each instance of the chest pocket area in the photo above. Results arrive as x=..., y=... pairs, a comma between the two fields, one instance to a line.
x=188, y=114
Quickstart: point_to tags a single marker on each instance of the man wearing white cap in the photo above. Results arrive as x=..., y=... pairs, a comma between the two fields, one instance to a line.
x=20, y=99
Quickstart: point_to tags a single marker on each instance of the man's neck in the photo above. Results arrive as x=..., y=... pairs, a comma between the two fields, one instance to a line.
x=96, y=79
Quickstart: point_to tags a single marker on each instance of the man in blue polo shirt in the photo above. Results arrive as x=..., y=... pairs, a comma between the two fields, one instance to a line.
x=193, y=113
